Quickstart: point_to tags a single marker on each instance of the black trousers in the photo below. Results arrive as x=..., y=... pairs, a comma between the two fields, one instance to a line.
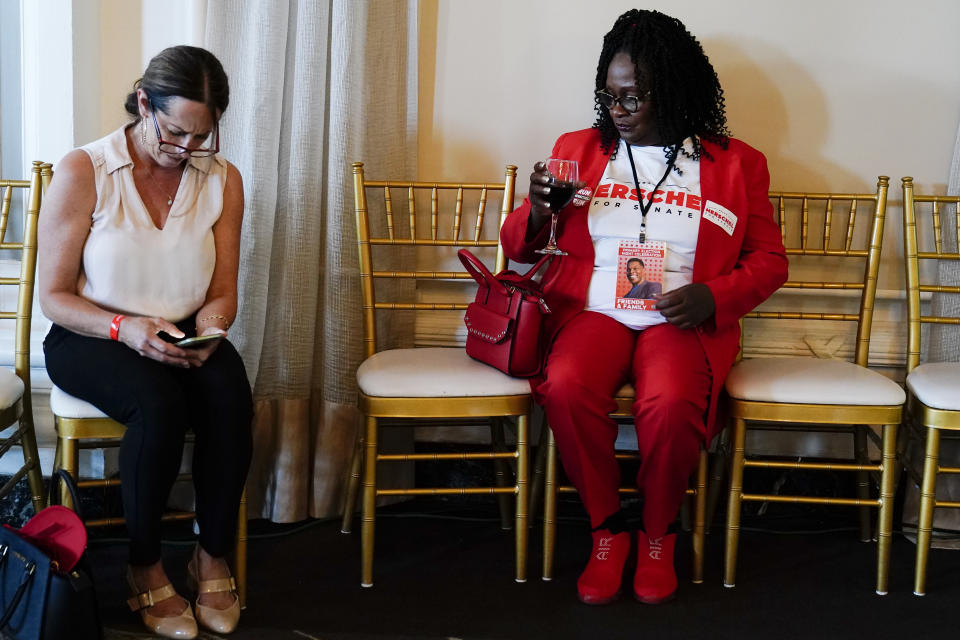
x=158, y=403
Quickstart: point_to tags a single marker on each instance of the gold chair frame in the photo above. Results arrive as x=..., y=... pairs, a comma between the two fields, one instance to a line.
x=426, y=408
x=21, y=411
x=929, y=420
x=698, y=491
x=829, y=417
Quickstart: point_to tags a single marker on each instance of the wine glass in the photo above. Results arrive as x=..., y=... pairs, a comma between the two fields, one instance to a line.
x=564, y=180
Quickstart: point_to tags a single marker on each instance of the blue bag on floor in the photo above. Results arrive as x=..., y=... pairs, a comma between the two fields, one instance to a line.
x=39, y=600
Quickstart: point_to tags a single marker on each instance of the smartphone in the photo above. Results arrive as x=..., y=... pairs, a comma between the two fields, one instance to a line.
x=198, y=341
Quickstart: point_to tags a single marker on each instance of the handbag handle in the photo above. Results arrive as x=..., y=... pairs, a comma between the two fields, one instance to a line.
x=64, y=476
x=480, y=272
x=18, y=595
x=482, y=275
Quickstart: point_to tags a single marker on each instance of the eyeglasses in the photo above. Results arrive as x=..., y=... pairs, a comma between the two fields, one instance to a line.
x=176, y=149
x=630, y=104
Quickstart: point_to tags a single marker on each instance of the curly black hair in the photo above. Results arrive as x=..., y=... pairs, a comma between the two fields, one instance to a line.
x=685, y=93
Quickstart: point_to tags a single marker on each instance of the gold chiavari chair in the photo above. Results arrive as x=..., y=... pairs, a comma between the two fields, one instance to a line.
x=933, y=388
x=16, y=409
x=802, y=393
x=431, y=386
x=698, y=491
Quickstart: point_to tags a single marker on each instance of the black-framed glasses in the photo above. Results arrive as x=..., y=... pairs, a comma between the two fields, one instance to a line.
x=630, y=104
x=176, y=149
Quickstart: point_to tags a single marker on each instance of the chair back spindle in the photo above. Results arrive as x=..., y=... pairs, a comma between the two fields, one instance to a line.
x=827, y=240
x=23, y=252
x=447, y=201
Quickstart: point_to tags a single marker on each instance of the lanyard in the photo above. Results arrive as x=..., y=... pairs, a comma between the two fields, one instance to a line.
x=644, y=208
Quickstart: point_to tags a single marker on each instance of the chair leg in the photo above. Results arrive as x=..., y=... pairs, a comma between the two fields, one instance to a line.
x=718, y=469
x=537, y=480
x=523, y=495
x=863, y=481
x=928, y=502
x=699, y=519
x=31, y=460
x=888, y=487
x=70, y=461
x=549, y=506
x=353, y=485
x=57, y=463
x=240, y=551
x=686, y=523
x=369, y=506
x=734, y=502
x=501, y=471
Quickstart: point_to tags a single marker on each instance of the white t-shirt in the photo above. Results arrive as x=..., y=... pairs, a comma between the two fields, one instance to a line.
x=131, y=266
x=615, y=217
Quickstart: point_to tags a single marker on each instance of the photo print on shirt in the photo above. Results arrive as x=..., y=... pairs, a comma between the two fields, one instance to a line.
x=640, y=274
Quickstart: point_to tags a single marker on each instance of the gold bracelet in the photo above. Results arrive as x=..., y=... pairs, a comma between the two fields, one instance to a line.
x=215, y=316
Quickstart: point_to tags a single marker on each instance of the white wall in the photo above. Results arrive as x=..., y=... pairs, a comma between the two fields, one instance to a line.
x=834, y=93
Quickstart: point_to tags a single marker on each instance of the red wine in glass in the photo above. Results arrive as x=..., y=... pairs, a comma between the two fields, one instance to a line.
x=564, y=180
x=561, y=193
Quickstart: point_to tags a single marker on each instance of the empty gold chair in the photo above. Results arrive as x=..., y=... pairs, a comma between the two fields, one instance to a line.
x=15, y=404
x=440, y=385
x=827, y=240
x=698, y=491
x=933, y=398
x=80, y=425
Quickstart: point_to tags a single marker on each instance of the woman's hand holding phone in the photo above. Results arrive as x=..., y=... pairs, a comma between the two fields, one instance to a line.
x=201, y=347
x=161, y=340
x=198, y=341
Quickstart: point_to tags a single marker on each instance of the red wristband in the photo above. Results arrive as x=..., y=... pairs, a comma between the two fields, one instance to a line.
x=115, y=326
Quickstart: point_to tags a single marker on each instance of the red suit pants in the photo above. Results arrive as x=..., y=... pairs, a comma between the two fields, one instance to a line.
x=592, y=356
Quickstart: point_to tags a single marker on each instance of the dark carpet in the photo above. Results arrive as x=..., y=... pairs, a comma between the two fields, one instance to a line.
x=445, y=570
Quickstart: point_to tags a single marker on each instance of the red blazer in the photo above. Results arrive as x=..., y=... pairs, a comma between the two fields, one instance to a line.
x=741, y=269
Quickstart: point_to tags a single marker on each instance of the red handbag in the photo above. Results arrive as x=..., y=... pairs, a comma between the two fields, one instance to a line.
x=503, y=322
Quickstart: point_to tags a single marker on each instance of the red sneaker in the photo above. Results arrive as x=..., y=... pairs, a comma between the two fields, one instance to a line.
x=656, y=579
x=600, y=581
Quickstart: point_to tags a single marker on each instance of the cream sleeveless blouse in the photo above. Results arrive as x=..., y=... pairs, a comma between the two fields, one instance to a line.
x=129, y=265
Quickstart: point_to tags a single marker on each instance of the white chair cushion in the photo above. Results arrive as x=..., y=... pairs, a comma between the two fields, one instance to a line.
x=811, y=381
x=66, y=406
x=435, y=372
x=11, y=388
x=937, y=385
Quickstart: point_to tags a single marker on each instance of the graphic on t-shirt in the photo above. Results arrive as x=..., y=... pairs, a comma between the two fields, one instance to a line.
x=640, y=274
x=669, y=201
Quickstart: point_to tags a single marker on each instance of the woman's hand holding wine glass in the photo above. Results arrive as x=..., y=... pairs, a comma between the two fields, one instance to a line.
x=552, y=186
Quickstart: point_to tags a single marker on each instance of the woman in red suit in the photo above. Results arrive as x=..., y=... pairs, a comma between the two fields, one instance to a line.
x=663, y=181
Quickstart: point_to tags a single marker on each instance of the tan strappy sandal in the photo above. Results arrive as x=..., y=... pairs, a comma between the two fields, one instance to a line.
x=217, y=620
x=183, y=626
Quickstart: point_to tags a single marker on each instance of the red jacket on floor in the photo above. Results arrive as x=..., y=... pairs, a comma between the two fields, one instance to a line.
x=741, y=269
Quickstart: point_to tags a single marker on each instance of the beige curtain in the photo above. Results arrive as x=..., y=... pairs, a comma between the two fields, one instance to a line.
x=315, y=85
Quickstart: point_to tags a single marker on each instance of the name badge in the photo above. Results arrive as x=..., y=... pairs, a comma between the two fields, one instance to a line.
x=582, y=197
x=720, y=216
x=640, y=275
